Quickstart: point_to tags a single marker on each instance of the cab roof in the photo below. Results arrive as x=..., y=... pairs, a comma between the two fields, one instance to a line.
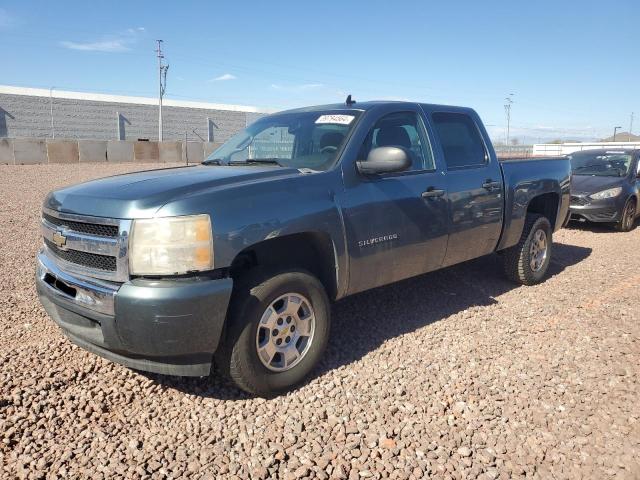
x=371, y=104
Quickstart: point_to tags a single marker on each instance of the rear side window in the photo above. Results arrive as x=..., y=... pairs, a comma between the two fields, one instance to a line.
x=460, y=140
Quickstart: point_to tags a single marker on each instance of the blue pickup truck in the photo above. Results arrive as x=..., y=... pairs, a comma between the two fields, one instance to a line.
x=234, y=262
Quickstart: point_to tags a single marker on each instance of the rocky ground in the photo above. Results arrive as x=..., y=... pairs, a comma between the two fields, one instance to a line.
x=456, y=374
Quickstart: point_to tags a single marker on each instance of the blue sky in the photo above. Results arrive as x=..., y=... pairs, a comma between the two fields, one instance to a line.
x=572, y=65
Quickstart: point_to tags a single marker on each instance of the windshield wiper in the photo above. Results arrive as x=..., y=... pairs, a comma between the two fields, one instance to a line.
x=256, y=161
x=213, y=161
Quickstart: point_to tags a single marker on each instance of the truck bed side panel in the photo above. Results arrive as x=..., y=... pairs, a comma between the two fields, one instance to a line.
x=526, y=179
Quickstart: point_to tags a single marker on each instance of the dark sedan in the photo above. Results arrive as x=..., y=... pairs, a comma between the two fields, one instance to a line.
x=604, y=186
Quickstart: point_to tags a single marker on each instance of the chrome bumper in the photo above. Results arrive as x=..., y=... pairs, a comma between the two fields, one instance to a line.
x=93, y=294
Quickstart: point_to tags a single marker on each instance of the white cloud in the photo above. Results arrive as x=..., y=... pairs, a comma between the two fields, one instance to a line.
x=223, y=77
x=104, y=46
x=120, y=42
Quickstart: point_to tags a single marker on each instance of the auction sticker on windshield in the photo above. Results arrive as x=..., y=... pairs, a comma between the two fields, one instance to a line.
x=339, y=119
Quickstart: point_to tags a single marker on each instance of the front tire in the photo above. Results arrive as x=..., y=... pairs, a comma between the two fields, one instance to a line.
x=628, y=218
x=277, y=331
x=528, y=261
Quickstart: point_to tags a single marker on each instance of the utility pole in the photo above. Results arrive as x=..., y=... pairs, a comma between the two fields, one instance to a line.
x=53, y=132
x=162, y=76
x=630, y=126
x=507, y=110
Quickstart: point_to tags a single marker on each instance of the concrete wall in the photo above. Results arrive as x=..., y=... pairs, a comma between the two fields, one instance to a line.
x=170, y=152
x=6, y=151
x=195, y=152
x=119, y=151
x=63, y=151
x=30, y=116
x=91, y=151
x=28, y=151
x=145, y=152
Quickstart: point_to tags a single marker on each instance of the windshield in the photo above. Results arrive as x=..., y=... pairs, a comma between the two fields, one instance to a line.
x=304, y=140
x=609, y=164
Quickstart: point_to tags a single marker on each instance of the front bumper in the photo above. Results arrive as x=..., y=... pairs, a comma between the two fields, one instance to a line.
x=169, y=326
x=606, y=210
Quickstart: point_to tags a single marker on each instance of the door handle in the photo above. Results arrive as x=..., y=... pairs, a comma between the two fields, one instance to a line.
x=491, y=185
x=432, y=193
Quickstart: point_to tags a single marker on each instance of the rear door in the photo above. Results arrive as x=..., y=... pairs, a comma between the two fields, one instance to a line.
x=395, y=230
x=474, y=186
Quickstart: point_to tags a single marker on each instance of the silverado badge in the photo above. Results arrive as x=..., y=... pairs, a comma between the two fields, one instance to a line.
x=59, y=239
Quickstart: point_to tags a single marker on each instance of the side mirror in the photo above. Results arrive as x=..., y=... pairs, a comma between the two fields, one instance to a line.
x=385, y=160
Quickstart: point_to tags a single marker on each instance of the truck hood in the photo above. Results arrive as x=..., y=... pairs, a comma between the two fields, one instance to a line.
x=141, y=194
x=588, y=184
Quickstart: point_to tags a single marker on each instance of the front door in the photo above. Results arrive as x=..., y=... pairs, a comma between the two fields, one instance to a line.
x=396, y=230
x=474, y=185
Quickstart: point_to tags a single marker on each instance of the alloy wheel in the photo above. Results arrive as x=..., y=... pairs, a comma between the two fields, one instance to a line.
x=538, y=250
x=285, y=332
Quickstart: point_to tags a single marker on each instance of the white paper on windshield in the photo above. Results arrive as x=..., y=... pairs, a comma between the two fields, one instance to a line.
x=338, y=119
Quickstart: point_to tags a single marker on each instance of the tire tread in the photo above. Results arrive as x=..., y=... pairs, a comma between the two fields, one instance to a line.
x=515, y=265
x=231, y=358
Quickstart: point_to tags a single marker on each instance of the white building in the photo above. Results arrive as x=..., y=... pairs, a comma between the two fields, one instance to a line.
x=554, y=149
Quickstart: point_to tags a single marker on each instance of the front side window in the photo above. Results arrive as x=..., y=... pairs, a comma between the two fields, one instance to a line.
x=402, y=129
x=460, y=140
x=609, y=164
x=306, y=140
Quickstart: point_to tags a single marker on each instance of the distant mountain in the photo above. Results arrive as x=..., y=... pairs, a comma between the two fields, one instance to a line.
x=623, y=137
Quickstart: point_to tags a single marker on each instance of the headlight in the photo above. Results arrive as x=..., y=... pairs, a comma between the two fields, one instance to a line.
x=171, y=245
x=610, y=193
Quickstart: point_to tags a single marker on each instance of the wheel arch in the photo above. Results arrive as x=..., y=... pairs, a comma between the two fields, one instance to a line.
x=546, y=204
x=313, y=251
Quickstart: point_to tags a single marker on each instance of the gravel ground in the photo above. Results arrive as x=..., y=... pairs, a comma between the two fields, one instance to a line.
x=456, y=374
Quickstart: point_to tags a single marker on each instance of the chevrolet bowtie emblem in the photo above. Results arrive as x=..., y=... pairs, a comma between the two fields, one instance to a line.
x=59, y=239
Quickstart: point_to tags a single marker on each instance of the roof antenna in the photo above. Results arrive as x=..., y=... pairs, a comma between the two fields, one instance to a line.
x=349, y=102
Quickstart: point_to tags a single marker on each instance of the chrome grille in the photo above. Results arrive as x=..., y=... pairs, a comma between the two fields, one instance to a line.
x=89, y=228
x=90, y=260
x=93, y=247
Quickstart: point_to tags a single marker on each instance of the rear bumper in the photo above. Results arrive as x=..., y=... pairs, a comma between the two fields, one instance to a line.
x=170, y=327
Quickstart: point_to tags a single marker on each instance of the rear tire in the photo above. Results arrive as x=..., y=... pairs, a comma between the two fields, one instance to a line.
x=628, y=218
x=259, y=300
x=527, y=262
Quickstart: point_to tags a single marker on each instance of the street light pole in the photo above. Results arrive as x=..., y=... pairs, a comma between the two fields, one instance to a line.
x=53, y=132
x=614, y=132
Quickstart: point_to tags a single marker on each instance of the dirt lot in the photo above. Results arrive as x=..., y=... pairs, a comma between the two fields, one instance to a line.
x=456, y=374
